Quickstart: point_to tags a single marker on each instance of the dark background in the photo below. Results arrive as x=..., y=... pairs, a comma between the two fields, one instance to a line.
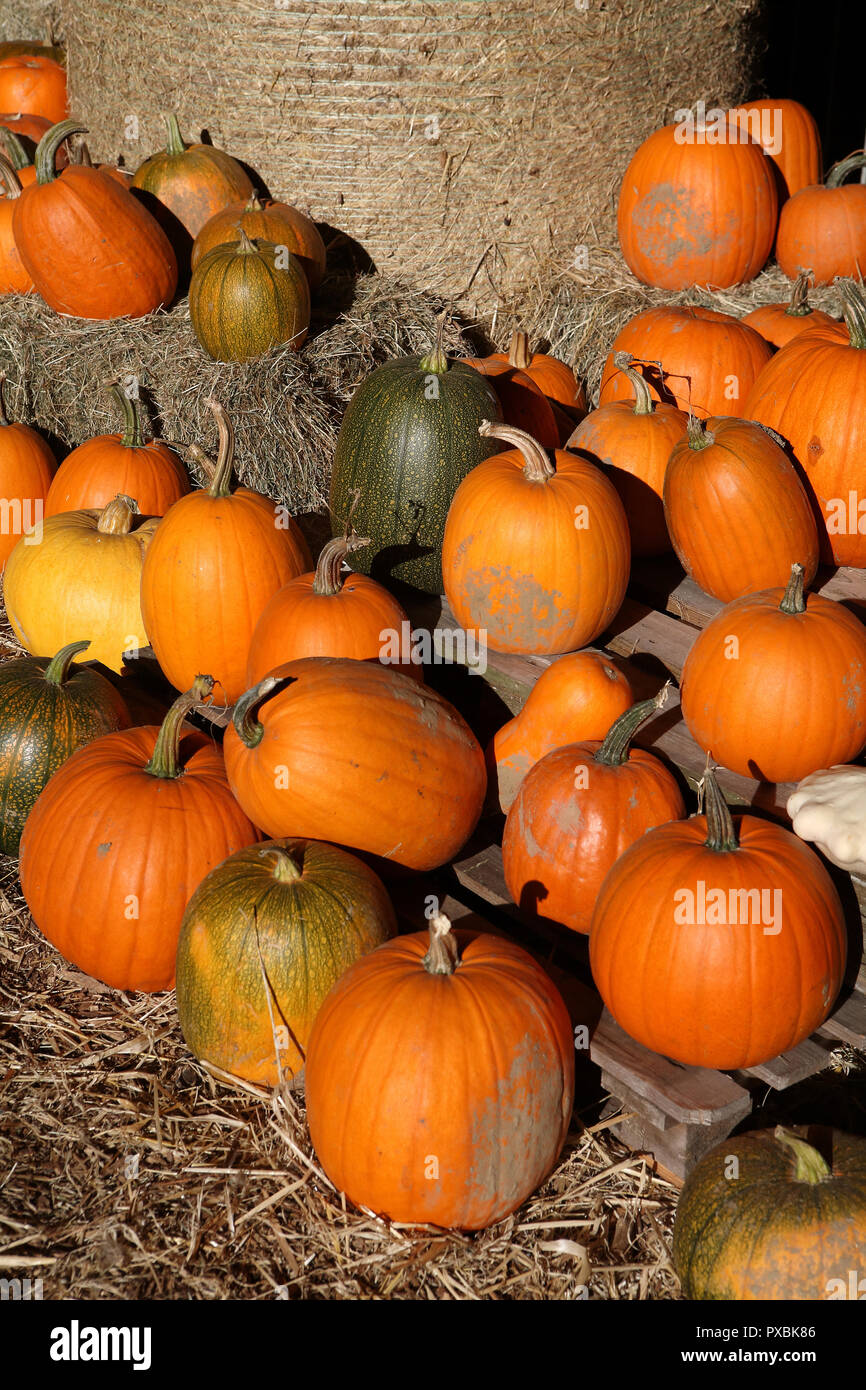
x=815, y=54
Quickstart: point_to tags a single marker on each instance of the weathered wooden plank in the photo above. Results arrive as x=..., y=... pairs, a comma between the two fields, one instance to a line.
x=848, y=1023
x=662, y=583
x=790, y=1067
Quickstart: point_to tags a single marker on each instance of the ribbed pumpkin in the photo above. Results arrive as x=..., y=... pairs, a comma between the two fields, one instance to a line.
x=120, y=839
x=775, y=686
x=408, y=438
x=718, y=943
x=47, y=711
x=824, y=226
x=14, y=278
x=265, y=937
x=100, y=468
x=577, y=697
x=191, y=182
x=697, y=211
x=698, y=359
x=92, y=249
x=766, y=1216
x=534, y=390
x=356, y=753
x=247, y=297
x=536, y=553
x=813, y=394
x=736, y=511
x=84, y=576
x=327, y=613
x=578, y=809
x=35, y=84
x=279, y=223
x=219, y=556
x=26, y=468
x=779, y=323
x=440, y=1079
x=633, y=440
x=793, y=142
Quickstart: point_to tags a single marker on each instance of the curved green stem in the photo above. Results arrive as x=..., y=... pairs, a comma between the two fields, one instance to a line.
x=220, y=483
x=442, y=957
x=9, y=178
x=721, y=835
x=643, y=401
x=794, y=598
x=615, y=748
x=799, y=306
x=46, y=150
x=13, y=148
x=329, y=577
x=165, y=760
x=435, y=360
x=537, y=466
x=810, y=1165
x=57, y=669
x=175, y=144
x=132, y=436
x=248, y=729
x=839, y=173
x=853, y=309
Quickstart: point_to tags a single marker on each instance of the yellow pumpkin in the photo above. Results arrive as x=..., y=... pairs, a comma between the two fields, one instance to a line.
x=81, y=581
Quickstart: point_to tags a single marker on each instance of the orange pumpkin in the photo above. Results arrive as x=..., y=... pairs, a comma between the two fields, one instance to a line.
x=718, y=943
x=824, y=226
x=19, y=155
x=696, y=212
x=100, y=468
x=523, y=402
x=535, y=555
x=278, y=223
x=578, y=697
x=633, y=442
x=119, y=840
x=779, y=323
x=14, y=279
x=813, y=393
x=36, y=85
x=353, y=752
x=737, y=513
x=217, y=557
x=792, y=141
x=92, y=249
x=326, y=613
x=26, y=468
x=701, y=360
x=517, y=371
x=775, y=686
x=440, y=1079
x=577, y=811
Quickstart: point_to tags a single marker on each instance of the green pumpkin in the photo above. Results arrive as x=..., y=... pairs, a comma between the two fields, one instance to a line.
x=246, y=297
x=46, y=715
x=263, y=939
x=767, y=1216
x=408, y=439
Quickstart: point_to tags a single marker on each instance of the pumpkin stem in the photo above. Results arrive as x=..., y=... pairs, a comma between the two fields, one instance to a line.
x=442, y=957
x=165, y=760
x=286, y=868
x=14, y=149
x=175, y=144
x=58, y=667
x=537, y=466
x=254, y=204
x=853, y=309
x=615, y=748
x=794, y=598
x=46, y=150
x=329, y=579
x=721, y=835
x=799, y=305
x=245, y=246
x=116, y=518
x=9, y=178
x=132, y=437
x=435, y=360
x=810, y=1165
x=699, y=436
x=643, y=401
x=220, y=483
x=248, y=729
x=839, y=173
x=519, y=355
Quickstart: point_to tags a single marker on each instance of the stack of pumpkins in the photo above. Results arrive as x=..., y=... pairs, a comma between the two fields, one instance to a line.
x=101, y=243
